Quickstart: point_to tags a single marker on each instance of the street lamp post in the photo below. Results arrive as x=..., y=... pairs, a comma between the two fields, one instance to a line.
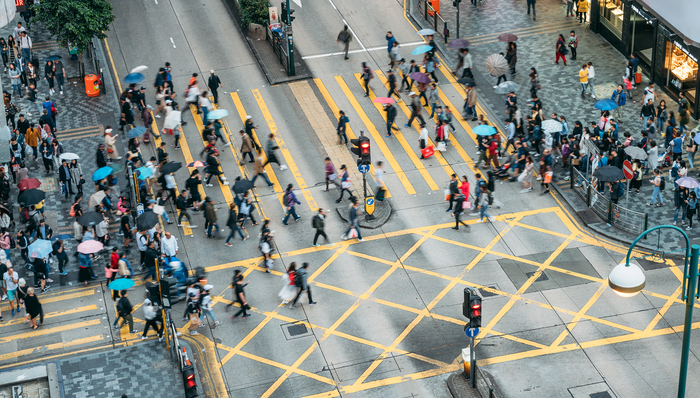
x=627, y=279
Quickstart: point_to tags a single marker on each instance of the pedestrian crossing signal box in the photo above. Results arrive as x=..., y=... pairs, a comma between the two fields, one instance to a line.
x=361, y=148
x=369, y=205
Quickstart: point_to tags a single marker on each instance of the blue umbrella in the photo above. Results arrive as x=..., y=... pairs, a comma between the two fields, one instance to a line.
x=144, y=172
x=217, y=114
x=484, y=130
x=101, y=173
x=136, y=132
x=422, y=49
x=41, y=248
x=52, y=58
x=62, y=237
x=606, y=105
x=121, y=284
x=132, y=78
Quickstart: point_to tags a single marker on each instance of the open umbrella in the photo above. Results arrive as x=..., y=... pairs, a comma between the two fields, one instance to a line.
x=242, y=186
x=53, y=58
x=170, y=167
x=197, y=163
x=217, y=114
x=90, y=246
x=420, y=77
x=133, y=78
x=96, y=198
x=507, y=87
x=144, y=172
x=636, y=152
x=62, y=237
x=31, y=197
x=688, y=182
x=101, y=173
x=41, y=248
x=609, y=174
x=459, y=43
x=28, y=183
x=426, y=32
x=467, y=81
x=605, y=105
x=507, y=37
x=146, y=221
x=552, y=126
x=69, y=156
x=121, y=284
x=383, y=100
x=172, y=120
x=139, y=69
x=90, y=218
x=4, y=210
x=422, y=49
x=484, y=130
x=496, y=64
x=136, y=132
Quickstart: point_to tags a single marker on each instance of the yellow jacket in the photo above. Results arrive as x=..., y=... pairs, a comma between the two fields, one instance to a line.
x=582, y=6
x=32, y=137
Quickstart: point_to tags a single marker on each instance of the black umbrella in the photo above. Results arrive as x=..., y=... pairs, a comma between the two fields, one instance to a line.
x=242, y=186
x=170, y=167
x=467, y=81
x=146, y=221
x=609, y=174
x=31, y=197
x=90, y=218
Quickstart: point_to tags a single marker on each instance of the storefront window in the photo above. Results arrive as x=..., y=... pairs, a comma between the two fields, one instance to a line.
x=612, y=13
x=682, y=70
x=643, y=34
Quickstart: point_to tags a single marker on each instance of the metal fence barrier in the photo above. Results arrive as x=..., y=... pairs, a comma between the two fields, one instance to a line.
x=278, y=43
x=484, y=386
x=437, y=22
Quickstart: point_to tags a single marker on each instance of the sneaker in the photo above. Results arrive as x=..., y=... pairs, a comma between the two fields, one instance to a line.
x=688, y=228
x=495, y=86
x=524, y=190
x=134, y=331
x=193, y=333
x=480, y=220
x=170, y=221
x=313, y=303
x=246, y=316
x=225, y=183
x=659, y=204
x=4, y=297
x=158, y=116
x=202, y=325
x=63, y=273
x=217, y=323
x=13, y=312
x=160, y=339
x=210, y=185
x=46, y=289
x=143, y=337
x=675, y=223
x=283, y=167
x=61, y=92
x=292, y=306
x=316, y=245
x=361, y=240
x=184, y=318
x=228, y=244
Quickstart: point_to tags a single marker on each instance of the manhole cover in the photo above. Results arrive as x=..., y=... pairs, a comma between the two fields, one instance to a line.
x=543, y=277
x=603, y=394
x=297, y=330
x=485, y=293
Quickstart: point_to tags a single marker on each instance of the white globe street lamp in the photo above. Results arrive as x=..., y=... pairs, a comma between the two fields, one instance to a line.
x=627, y=279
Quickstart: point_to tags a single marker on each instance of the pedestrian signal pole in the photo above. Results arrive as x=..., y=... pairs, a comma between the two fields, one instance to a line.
x=290, y=41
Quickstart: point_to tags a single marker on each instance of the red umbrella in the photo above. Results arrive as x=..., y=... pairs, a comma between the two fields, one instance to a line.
x=507, y=37
x=383, y=100
x=28, y=183
x=197, y=163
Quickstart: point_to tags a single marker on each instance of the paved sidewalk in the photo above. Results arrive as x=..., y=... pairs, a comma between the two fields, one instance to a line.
x=81, y=121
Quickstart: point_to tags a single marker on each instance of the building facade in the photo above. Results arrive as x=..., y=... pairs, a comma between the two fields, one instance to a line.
x=667, y=55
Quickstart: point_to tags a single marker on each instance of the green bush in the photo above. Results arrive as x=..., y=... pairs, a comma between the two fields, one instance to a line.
x=254, y=11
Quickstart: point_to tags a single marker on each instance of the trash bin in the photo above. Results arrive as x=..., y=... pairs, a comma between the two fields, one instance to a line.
x=467, y=360
x=92, y=89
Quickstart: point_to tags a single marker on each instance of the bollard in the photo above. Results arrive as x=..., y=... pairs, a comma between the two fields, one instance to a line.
x=467, y=359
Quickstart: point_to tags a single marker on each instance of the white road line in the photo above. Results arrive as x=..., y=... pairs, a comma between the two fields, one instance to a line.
x=415, y=43
x=173, y=41
x=348, y=25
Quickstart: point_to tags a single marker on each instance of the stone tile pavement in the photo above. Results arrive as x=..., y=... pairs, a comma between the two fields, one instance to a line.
x=130, y=370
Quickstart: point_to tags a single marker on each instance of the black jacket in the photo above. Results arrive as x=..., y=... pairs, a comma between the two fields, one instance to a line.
x=318, y=222
x=125, y=305
x=100, y=159
x=232, y=219
x=390, y=113
x=647, y=110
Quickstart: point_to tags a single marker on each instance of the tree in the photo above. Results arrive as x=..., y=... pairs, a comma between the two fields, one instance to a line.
x=254, y=11
x=74, y=23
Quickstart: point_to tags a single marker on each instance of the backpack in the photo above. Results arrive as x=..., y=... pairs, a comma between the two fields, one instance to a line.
x=288, y=199
x=72, y=210
x=662, y=185
x=674, y=172
x=13, y=244
x=54, y=112
x=298, y=280
x=620, y=190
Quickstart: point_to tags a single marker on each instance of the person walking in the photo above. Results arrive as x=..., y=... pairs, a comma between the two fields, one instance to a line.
x=210, y=215
x=33, y=307
x=319, y=223
x=345, y=183
x=620, y=99
x=570, y=8
x=354, y=221
x=260, y=171
x=60, y=73
x=124, y=310
x=485, y=201
x=433, y=99
x=289, y=290
x=331, y=175
x=246, y=147
x=301, y=281
x=214, y=83
x=271, y=148
x=150, y=312
x=582, y=10
x=453, y=191
x=583, y=78
x=64, y=177
x=692, y=203
x=560, y=50
x=470, y=104
x=416, y=108
x=459, y=199
x=390, y=39
x=390, y=110
x=193, y=310
x=591, y=79
x=534, y=12
x=342, y=125
x=391, y=83
x=290, y=201
x=366, y=77
x=49, y=75
x=240, y=297
x=25, y=43
x=659, y=184
x=11, y=278
x=232, y=223
x=15, y=80
x=344, y=37
x=182, y=204
x=205, y=306
x=465, y=61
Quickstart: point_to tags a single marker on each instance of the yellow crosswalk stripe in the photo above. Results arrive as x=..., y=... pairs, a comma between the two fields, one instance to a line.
x=52, y=314
x=377, y=137
x=348, y=130
x=269, y=171
x=45, y=331
x=301, y=184
x=416, y=125
x=57, y=298
x=49, y=347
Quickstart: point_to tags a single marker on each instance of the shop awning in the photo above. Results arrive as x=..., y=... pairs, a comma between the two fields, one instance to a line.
x=682, y=15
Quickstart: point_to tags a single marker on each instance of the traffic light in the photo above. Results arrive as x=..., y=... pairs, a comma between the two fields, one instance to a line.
x=475, y=311
x=283, y=13
x=170, y=291
x=362, y=150
x=153, y=293
x=291, y=18
x=190, y=381
x=465, y=303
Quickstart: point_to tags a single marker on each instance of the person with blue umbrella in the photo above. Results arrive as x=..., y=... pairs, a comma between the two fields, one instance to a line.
x=620, y=99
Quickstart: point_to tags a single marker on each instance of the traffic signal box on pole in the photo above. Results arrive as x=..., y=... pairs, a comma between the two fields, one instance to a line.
x=361, y=148
x=471, y=308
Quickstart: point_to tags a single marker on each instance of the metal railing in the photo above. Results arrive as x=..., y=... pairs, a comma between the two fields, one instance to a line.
x=436, y=21
x=620, y=217
x=484, y=386
x=279, y=45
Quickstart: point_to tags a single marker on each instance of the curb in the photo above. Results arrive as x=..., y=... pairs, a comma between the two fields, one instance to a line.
x=382, y=212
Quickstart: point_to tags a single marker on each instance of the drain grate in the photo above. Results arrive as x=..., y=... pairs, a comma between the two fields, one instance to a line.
x=603, y=394
x=543, y=277
x=297, y=330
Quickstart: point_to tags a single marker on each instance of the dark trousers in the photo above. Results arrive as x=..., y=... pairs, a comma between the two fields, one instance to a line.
x=467, y=72
x=62, y=261
x=243, y=309
x=69, y=188
x=416, y=114
x=366, y=87
x=250, y=156
x=320, y=232
x=505, y=79
x=308, y=293
x=573, y=52
x=184, y=213
x=392, y=90
x=406, y=82
x=215, y=94
x=151, y=323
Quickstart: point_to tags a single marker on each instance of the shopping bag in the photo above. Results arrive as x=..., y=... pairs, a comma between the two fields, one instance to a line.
x=353, y=233
x=447, y=195
x=158, y=209
x=427, y=151
x=346, y=184
x=441, y=146
x=466, y=205
x=548, y=177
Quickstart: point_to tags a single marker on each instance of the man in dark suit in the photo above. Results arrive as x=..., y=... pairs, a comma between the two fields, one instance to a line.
x=64, y=177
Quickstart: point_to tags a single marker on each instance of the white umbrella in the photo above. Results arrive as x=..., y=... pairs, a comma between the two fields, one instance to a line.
x=688, y=182
x=172, y=120
x=636, y=152
x=507, y=87
x=139, y=69
x=69, y=156
x=426, y=32
x=551, y=126
x=96, y=198
x=496, y=64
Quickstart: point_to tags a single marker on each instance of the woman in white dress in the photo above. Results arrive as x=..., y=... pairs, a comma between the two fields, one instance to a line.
x=289, y=290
